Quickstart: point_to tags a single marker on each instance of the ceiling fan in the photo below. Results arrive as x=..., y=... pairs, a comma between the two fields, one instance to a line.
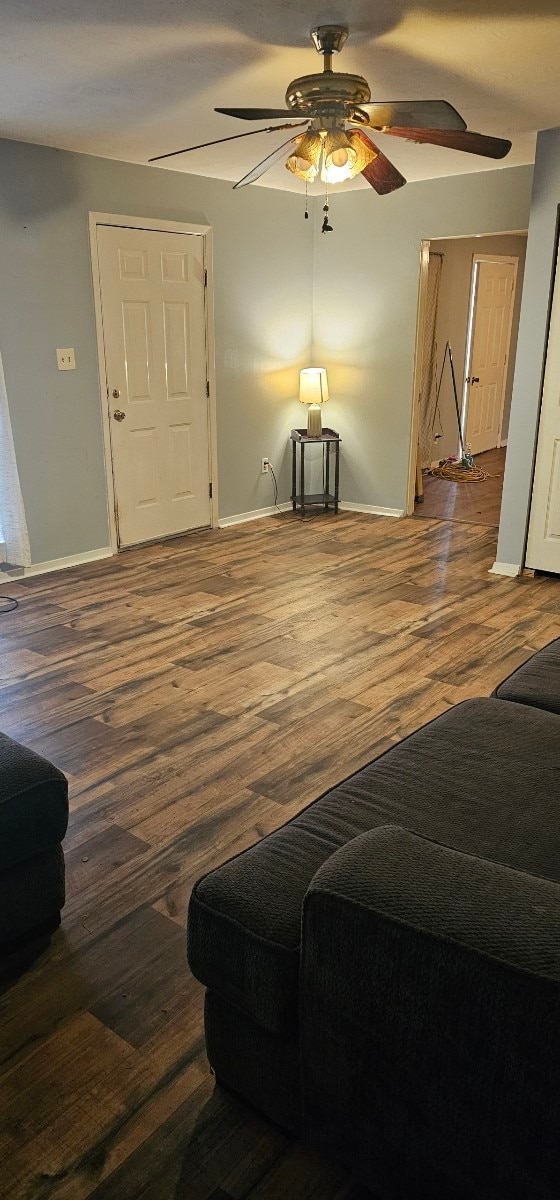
x=337, y=109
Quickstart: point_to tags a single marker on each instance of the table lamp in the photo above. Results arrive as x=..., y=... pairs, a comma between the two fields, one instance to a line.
x=314, y=391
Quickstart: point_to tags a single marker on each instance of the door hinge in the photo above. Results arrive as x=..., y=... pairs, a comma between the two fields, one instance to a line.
x=210, y=490
x=206, y=278
x=208, y=388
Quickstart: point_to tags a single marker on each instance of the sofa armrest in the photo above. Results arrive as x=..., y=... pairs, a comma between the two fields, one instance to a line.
x=430, y=1011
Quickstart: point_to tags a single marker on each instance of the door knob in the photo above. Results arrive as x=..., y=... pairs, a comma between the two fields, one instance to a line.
x=119, y=415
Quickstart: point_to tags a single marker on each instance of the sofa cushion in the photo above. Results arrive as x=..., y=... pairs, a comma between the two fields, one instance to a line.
x=537, y=682
x=33, y=803
x=483, y=778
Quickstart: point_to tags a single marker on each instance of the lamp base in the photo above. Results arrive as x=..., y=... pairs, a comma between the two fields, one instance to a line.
x=314, y=426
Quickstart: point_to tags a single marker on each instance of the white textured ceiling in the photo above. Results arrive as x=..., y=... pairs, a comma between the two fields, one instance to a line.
x=131, y=78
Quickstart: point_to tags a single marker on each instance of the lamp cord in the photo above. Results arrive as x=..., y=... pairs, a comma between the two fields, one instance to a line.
x=300, y=516
x=275, y=485
x=9, y=600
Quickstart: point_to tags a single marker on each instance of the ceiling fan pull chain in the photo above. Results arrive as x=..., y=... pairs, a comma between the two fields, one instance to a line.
x=306, y=213
x=325, y=227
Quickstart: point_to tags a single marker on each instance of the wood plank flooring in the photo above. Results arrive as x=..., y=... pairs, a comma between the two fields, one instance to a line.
x=477, y=503
x=198, y=693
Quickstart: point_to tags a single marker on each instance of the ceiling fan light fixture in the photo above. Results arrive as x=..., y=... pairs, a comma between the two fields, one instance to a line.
x=334, y=155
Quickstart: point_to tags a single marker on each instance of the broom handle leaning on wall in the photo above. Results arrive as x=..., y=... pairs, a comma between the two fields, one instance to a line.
x=461, y=443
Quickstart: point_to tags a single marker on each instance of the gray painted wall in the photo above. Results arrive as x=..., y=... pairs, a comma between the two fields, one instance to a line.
x=453, y=315
x=362, y=298
x=365, y=305
x=531, y=346
x=263, y=252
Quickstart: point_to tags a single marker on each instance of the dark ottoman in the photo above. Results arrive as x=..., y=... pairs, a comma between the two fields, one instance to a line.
x=33, y=821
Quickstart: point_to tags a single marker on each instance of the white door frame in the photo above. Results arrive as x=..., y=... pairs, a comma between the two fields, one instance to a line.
x=97, y=219
x=476, y=259
x=419, y=348
x=418, y=369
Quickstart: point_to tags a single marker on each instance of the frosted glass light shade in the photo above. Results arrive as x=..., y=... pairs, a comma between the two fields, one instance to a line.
x=306, y=157
x=339, y=157
x=313, y=385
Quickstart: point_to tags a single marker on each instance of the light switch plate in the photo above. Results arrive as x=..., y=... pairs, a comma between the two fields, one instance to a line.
x=66, y=359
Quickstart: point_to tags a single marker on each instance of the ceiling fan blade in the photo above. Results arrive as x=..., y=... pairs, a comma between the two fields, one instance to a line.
x=472, y=143
x=413, y=114
x=233, y=137
x=259, y=114
x=266, y=163
x=380, y=174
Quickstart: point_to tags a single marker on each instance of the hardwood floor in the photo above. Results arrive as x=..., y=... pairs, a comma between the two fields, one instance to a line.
x=477, y=503
x=198, y=693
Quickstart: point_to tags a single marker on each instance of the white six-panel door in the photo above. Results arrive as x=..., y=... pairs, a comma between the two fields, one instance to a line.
x=489, y=359
x=543, y=546
x=154, y=335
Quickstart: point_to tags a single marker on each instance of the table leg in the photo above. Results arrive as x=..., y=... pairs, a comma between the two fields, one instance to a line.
x=327, y=452
x=293, y=476
x=336, y=474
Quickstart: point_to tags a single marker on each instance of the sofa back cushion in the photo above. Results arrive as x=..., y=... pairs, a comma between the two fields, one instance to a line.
x=483, y=778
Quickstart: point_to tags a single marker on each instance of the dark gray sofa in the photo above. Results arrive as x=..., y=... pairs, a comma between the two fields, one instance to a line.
x=33, y=821
x=383, y=973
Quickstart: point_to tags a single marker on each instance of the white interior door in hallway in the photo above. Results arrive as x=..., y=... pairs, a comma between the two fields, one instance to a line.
x=154, y=337
x=543, y=545
x=494, y=286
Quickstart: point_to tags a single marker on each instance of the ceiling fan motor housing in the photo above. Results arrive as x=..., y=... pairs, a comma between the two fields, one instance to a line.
x=327, y=90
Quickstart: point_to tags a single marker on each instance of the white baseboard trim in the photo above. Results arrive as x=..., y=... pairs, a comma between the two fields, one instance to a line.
x=510, y=569
x=60, y=564
x=254, y=515
x=374, y=510
x=503, y=443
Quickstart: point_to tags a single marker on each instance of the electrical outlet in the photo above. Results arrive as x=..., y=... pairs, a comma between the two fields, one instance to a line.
x=265, y=463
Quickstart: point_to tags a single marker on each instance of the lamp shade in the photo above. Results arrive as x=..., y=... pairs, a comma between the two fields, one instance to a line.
x=313, y=385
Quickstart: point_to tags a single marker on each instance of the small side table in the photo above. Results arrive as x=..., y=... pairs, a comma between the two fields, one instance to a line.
x=300, y=501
